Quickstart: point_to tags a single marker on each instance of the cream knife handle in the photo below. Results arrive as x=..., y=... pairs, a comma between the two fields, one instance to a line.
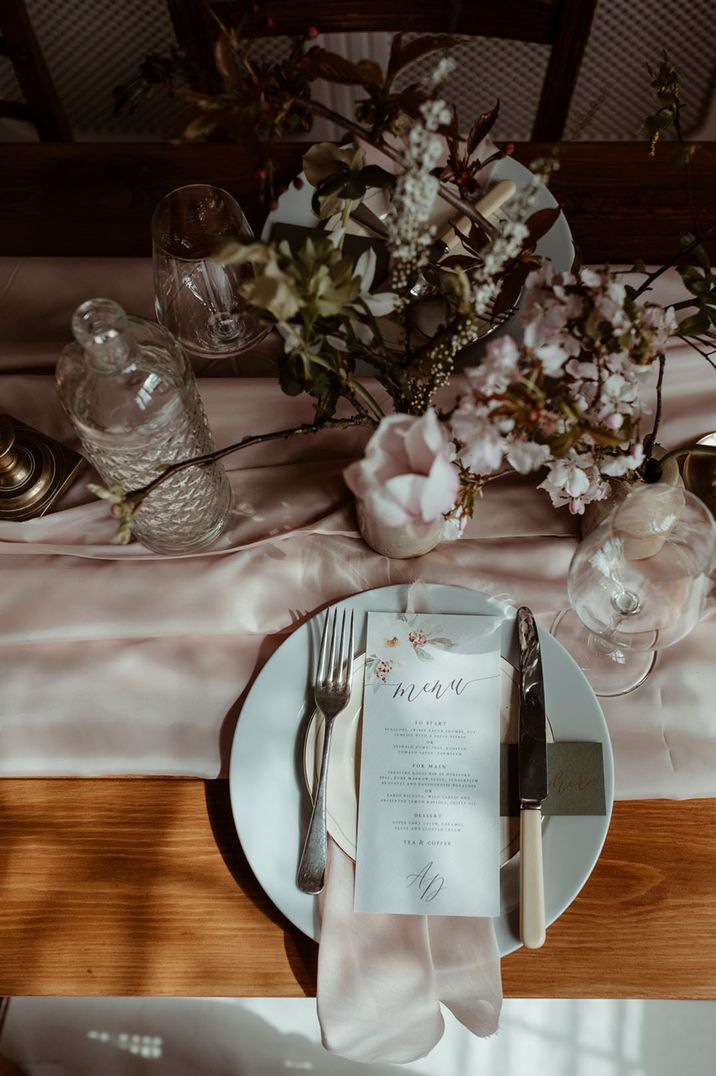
x=488, y=204
x=496, y=197
x=532, y=928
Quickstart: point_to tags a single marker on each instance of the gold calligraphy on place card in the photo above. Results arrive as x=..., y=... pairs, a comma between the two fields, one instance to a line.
x=575, y=779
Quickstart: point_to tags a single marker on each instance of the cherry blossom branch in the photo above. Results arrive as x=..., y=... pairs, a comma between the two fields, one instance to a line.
x=650, y=439
x=655, y=470
x=648, y=281
x=136, y=497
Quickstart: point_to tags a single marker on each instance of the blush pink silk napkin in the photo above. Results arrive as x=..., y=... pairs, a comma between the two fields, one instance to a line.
x=381, y=978
x=115, y=660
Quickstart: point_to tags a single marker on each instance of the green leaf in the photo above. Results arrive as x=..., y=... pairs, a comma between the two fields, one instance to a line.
x=325, y=387
x=290, y=375
x=702, y=257
x=683, y=154
x=442, y=644
x=605, y=438
x=423, y=654
x=375, y=176
x=696, y=324
x=353, y=188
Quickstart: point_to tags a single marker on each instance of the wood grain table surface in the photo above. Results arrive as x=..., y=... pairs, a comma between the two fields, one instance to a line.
x=139, y=886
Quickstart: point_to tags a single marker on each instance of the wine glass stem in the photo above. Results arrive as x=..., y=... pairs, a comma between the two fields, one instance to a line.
x=604, y=648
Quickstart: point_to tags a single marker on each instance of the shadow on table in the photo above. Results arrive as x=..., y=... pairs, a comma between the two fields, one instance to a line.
x=301, y=952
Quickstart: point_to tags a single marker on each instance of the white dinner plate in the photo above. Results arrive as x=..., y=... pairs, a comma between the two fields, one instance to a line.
x=271, y=805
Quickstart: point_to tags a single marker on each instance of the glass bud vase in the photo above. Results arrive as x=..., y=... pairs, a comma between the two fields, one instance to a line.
x=130, y=394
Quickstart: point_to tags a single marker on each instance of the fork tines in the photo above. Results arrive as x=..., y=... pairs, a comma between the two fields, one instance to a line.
x=329, y=672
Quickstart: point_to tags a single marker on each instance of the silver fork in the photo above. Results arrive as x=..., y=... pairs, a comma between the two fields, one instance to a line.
x=332, y=690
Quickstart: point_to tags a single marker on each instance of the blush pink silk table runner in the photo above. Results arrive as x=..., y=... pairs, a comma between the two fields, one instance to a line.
x=114, y=660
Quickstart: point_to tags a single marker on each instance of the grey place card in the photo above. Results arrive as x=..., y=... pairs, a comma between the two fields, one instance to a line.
x=575, y=774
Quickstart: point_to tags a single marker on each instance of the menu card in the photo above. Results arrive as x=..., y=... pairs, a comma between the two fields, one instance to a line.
x=428, y=808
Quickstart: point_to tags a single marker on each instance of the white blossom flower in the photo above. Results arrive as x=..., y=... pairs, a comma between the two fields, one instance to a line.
x=453, y=526
x=442, y=70
x=575, y=481
x=554, y=356
x=526, y=456
x=589, y=278
x=619, y=394
x=616, y=466
x=379, y=303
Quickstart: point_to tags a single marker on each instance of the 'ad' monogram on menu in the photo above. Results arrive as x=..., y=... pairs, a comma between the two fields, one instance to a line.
x=429, y=885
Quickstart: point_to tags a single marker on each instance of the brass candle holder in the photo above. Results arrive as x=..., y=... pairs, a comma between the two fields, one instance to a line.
x=35, y=470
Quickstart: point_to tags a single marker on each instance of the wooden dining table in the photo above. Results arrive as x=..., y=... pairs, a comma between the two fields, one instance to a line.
x=127, y=885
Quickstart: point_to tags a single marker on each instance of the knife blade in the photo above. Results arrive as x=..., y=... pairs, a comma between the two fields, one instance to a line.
x=532, y=780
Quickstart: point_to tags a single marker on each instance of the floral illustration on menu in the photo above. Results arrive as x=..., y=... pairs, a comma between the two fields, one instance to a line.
x=416, y=635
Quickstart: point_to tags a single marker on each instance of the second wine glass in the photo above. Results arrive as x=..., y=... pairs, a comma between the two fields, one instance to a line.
x=197, y=298
x=637, y=584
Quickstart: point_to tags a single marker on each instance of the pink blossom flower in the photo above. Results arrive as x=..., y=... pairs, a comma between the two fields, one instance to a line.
x=662, y=323
x=417, y=638
x=498, y=369
x=407, y=475
x=483, y=445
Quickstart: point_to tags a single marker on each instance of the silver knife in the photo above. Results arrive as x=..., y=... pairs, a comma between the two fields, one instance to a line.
x=532, y=781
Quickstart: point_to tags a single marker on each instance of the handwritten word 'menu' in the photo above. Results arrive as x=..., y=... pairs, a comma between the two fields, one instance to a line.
x=412, y=692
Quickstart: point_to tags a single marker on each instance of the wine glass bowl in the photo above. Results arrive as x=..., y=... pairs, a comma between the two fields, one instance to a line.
x=197, y=297
x=637, y=584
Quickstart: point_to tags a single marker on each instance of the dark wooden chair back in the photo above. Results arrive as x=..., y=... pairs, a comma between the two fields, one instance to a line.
x=562, y=24
x=41, y=106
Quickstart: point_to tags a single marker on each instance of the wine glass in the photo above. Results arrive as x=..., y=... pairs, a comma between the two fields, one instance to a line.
x=636, y=584
x=197, y=298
